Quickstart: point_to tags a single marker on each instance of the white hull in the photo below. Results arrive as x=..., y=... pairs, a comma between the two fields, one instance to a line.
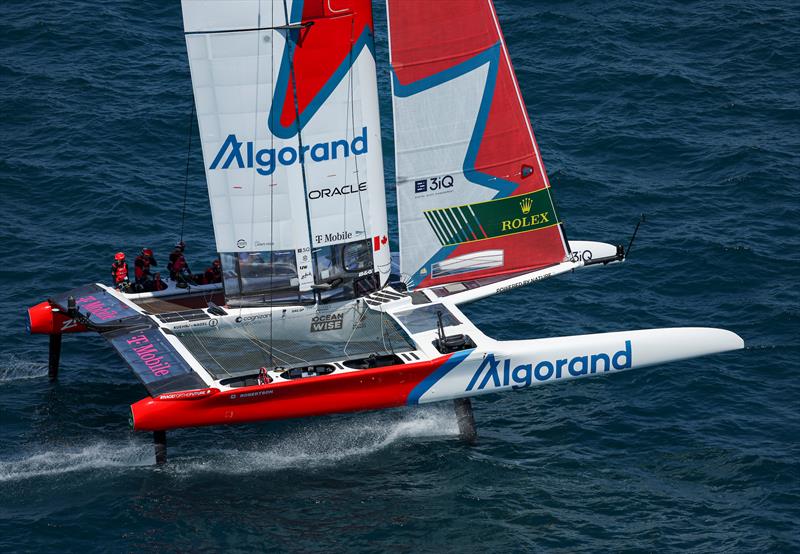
x=504, y=365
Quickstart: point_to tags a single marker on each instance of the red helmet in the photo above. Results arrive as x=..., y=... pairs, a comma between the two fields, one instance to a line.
x=119, y=256
x=147, y=252
x=216, y=263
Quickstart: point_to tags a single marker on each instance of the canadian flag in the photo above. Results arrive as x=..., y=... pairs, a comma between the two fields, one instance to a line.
x=379, y=242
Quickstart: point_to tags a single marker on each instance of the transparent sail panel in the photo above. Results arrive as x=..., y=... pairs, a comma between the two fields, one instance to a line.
x=341, y=271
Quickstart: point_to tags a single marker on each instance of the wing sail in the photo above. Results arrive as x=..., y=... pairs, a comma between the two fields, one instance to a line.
x=287, y=110
x=473, y=195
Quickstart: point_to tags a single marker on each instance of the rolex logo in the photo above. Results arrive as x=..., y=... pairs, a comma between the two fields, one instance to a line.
x=526, y=204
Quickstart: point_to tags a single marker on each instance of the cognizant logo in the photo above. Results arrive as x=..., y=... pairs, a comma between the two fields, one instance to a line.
x=244, y=155
x=494, y=374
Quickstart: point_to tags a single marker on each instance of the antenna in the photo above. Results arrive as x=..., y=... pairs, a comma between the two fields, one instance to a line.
x=440, y=326
x=642, y=219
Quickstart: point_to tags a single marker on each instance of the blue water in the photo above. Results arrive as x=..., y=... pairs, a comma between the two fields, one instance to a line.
x=687, y=111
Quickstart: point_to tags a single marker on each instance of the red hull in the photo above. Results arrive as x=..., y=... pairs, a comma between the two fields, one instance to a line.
x=368, y=389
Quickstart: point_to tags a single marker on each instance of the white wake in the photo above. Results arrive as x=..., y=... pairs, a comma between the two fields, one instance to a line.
x=12, y=368
x=69, y=460
x=328, y=443
x=315, y=443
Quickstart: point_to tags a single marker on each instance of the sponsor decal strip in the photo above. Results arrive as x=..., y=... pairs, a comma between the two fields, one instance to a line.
x=447, y=231
x=436, y=229
x=426, y=384
x=466, y=221
x=494, y=373
x=238, y=154
x=150, y=356
x=475, y=217
x=495, y=218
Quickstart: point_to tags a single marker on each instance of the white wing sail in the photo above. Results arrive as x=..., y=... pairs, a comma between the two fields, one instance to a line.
x=288, y=116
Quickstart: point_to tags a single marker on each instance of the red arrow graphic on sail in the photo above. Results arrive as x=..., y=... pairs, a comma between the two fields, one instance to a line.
x=324, y=51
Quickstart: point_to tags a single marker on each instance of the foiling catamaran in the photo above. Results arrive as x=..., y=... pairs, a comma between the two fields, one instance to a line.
x=312, y=316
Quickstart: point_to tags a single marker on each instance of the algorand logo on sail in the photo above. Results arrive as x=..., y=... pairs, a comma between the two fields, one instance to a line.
x=493, y=373
x=244, y=155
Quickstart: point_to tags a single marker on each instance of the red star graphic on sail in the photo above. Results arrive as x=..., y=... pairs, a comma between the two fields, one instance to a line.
x=322, y=51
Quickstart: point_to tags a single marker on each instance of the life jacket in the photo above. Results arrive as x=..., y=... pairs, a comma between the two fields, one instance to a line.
x=212, y=275
x=177, y=263
x=119, y=270
x=142, y=267
x=156, y=284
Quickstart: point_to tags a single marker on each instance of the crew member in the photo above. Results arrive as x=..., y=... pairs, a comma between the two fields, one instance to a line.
x=119, y=271
x=156, y=284
x=213, y=274
x=142, y=266
x=178, y=268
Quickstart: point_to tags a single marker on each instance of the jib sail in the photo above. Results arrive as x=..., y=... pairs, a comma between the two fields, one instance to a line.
x=473, y=196
x=288, y=116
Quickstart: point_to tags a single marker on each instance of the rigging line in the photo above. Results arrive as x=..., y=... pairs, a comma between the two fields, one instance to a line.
x=253, y=338
x=353, y=124
x=196, y=336
x=271, y=362
x=287, y=27
x=358, y=319
x=389, y=335
x=255, y=128
x=293, y=77
x=349, y=102
x=255, y=139
x=383, y=334
x=188, y=158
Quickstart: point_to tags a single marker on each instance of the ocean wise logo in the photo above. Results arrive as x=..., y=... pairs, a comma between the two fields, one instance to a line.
x=241, y=155
x=493, y=373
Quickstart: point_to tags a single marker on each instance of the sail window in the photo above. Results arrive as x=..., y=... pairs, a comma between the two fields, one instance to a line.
x=265, y=271
x=253, y=273
x=357, y=256
x=230, y=274
x=426, y=318
x=347, y=267
x=342, y=261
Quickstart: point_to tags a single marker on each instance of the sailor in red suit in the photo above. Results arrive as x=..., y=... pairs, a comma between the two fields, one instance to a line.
x=178, y=268
x=142, y=266
x=119, y=271
x=213, y=274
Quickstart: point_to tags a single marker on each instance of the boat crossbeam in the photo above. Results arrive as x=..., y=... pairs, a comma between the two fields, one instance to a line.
x=466, y=421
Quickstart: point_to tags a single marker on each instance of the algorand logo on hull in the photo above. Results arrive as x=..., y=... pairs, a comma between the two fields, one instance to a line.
x=493, y=373
x=244, y=155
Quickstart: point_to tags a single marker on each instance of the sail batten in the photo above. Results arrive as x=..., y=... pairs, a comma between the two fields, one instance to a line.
x=471, y=186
